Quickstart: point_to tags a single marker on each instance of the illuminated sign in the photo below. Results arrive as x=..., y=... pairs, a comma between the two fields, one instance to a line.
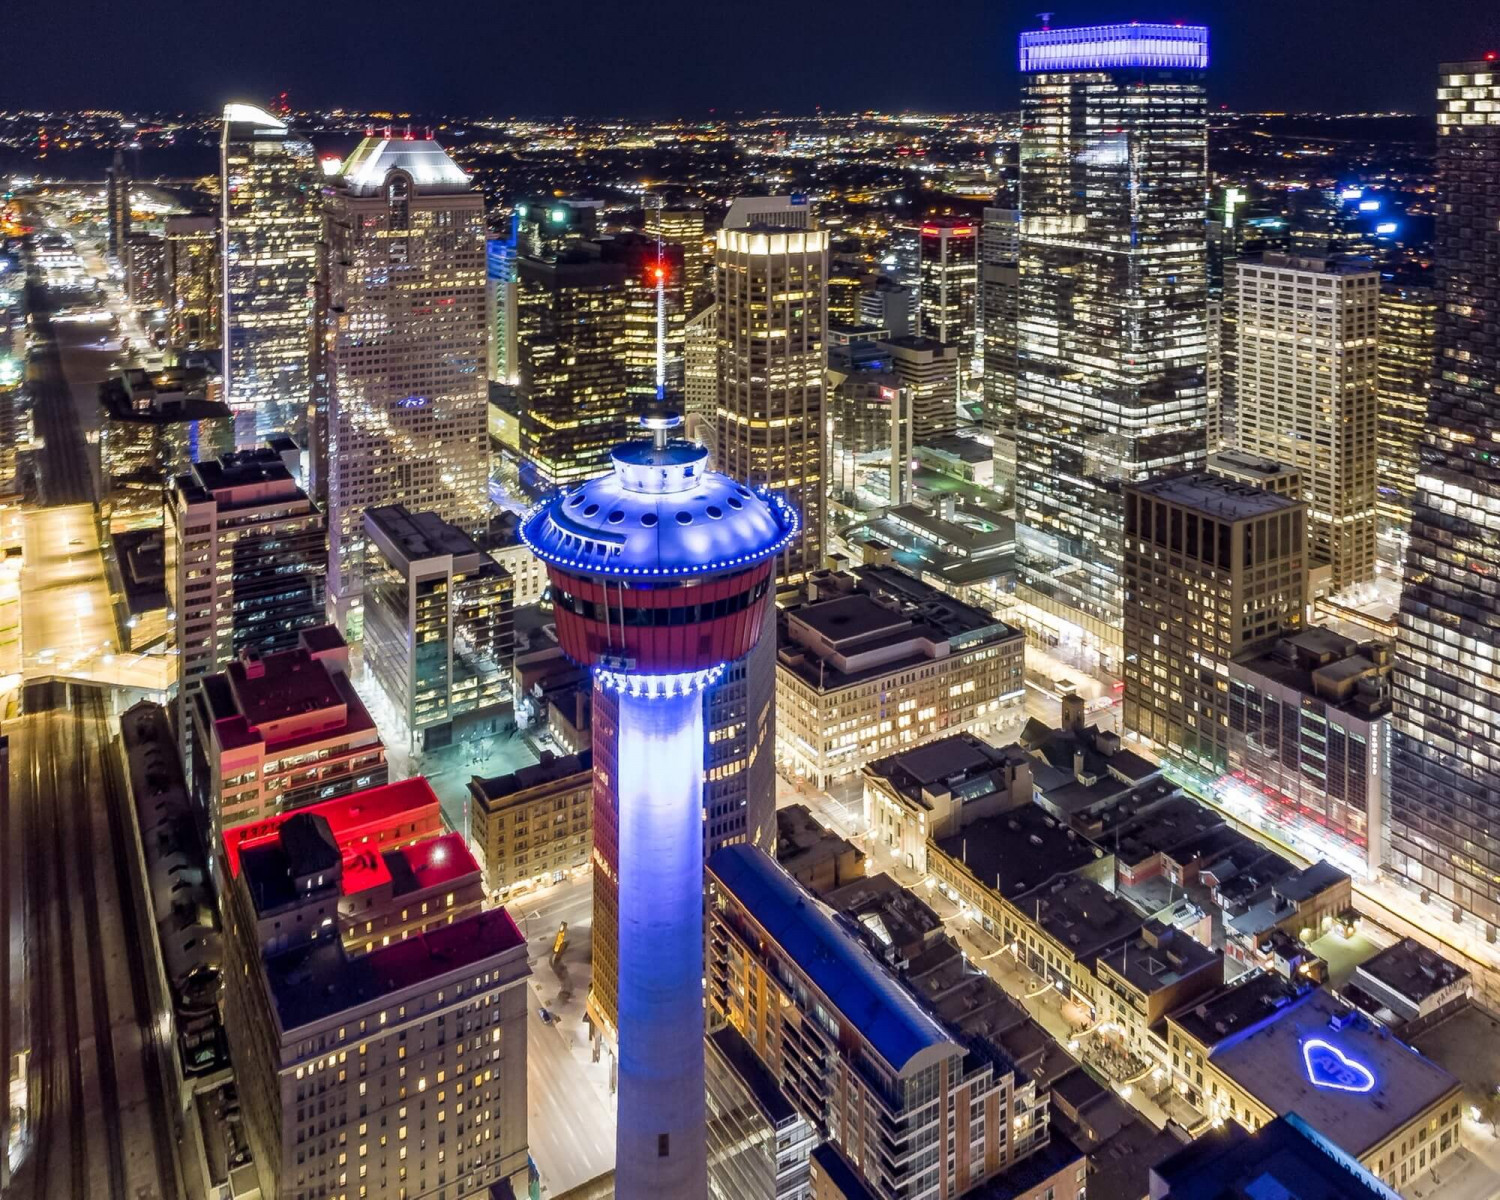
x=1103, y=47
x=1329, y=1067
x=412, y=402
x=1386, y=227
x=1369, y=206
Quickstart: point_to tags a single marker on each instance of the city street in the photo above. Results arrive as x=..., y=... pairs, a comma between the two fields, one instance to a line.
x=99, y=1123
x=569, y=1104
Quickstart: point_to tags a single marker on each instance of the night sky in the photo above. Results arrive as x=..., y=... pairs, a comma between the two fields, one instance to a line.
x=603, y=57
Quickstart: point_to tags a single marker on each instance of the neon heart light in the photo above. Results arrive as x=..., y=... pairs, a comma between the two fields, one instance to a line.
x=1329, y=1067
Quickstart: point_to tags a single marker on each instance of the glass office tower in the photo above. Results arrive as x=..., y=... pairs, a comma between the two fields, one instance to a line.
x=271, y=228
x=1445, y=752
x=1112, y=337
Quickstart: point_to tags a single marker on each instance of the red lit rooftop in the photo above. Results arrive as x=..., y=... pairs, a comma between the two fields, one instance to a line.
x=375, y=819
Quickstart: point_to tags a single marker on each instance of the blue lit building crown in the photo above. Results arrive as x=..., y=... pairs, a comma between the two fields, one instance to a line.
x=659, y=512
x=1109, y=47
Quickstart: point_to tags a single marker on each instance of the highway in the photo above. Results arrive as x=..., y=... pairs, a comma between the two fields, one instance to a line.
x=99, y=1123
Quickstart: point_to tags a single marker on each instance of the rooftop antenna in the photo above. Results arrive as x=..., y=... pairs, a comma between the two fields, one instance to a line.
x=660, y=272
x=1046, y=20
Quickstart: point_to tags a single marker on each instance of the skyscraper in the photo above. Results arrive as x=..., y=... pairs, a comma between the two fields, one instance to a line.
x=999, y=301
x=1304, y=387
x=662, y=574
x=771, y=269
x=1111, y=335
x=270, y=225
x=500, y=299
x=1408, y=348
x=1445, y=756
x=948, y=286
x=193, y=308
x=408, y=416
x=1213, y=567
x=683, y=228
x=570, y=363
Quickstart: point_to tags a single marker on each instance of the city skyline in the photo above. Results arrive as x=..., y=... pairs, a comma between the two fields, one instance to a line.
x=841, y=658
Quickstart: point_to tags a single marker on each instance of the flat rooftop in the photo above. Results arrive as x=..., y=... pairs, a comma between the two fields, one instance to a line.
x=1082, y=915
x=752, y=1073
x=1225, y=499
x=1286, y=1158
x=406, y=537
x=1411, y=970
x=1159, y=957
x=1251, y=464
x=552, y=769
x=317, y=981
x=1276, y=1061
x=1018, y=851
x=962, y=765
x=262, y=470
x=353, y=818
x=833, y=957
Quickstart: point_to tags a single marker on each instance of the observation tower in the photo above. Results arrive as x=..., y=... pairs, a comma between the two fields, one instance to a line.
x=661, y=571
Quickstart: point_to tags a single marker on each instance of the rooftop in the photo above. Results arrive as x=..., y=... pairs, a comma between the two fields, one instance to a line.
x=752, y=1073
x=551, y=769
x=1411, y=970
x=963, y=765
x=318, y=980
x=1253, y=465
x=1236, y=1008
x=1286, y=1158
x=1018, y=851
x=432, y=171
x=1346, y=675
x=661, y=512
x=1226, y=499
x=352, y=819
x=867, y=623
x=1350, y=1081
x=833, y=958
x=283, y=699
x=242, y=479
x=1159, y=958
x=1082, y=916
x=405, y=538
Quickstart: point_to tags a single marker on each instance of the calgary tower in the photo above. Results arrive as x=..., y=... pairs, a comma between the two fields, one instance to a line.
x=661, y=571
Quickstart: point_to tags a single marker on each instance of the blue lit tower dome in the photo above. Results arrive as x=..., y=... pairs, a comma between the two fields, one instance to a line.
x=661, y=566
x=661, y=573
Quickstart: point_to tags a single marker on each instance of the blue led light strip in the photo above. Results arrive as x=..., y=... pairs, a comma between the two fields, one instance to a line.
x=789, y=514
x=684, y=683
x=1102, y=47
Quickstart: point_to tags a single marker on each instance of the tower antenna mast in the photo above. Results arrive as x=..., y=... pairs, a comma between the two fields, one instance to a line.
x=661, y=305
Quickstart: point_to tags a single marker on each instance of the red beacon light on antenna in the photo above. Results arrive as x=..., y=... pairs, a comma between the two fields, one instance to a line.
x=1491, y=55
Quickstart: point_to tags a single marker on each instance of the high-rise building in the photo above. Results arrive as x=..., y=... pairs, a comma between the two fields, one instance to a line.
x=1309, y=738
x=274, y=732
x=683, y=228
x=117, y=204
x=928, y=369
x=1213, y=567
x=500, y=305
x=271, y=228
x=653, y=316
x=146, y=269
x=246, y=551
x=700, y=374
x=887, y=305
x=771, y=265
x=572, y=381
x=438, y=634
x=999, y=308
x=1445, y=767
x=661, y=575
x=1404, y=363
x=1111, y=338
x=193, y=303
x=948, y=286
x=154, y=427
x=399, y=1064
x=1304, y=387
x=408, y=414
